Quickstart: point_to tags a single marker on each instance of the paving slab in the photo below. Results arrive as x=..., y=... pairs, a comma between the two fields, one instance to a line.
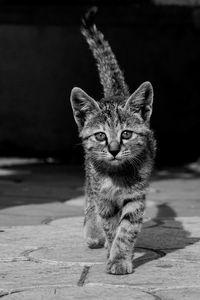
x=178, y=294
x=33, y=214
x=43, y=254
x=52, y=260
x=91, y=292
x=35, y=194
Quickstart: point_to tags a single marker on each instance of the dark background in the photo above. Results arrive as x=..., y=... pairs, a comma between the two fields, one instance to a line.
x=43, y=55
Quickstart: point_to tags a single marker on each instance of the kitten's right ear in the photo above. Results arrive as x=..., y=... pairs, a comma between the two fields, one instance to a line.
x=141, y=100
x=82, y=105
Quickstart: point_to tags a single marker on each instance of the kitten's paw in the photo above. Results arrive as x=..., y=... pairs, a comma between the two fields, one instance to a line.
x=119, y=266
x=93, y=234
x=95, y=243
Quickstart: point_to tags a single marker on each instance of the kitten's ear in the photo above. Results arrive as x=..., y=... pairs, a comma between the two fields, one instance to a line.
x=141, y=100
x=82, y=105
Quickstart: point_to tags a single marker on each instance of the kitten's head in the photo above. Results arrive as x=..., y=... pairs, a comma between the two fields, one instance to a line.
x=114, y=130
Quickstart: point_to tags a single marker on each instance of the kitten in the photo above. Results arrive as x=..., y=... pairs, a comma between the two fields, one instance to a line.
x=119, y=153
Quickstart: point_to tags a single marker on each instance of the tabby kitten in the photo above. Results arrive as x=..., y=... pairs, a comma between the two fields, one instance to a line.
x=119, y=152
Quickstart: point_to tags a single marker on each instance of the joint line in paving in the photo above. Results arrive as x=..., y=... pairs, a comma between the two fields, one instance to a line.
x=83, y=275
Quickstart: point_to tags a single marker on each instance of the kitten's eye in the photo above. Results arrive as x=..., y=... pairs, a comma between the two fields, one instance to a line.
x=126, y=135
x=100, y=136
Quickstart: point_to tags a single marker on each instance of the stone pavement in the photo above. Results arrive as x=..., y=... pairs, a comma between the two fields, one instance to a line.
x=43, y=255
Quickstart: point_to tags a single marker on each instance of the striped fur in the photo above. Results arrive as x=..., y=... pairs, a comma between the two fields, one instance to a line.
x=119, y=154
x=111, y=77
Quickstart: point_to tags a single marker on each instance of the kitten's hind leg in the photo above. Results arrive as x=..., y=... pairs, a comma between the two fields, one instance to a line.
x=93, y=232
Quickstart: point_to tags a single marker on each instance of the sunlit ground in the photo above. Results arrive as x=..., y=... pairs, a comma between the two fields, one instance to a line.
x=8, y=164
x=35, y=191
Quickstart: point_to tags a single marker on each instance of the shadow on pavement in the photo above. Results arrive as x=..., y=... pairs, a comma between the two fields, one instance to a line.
x=39, y=184
x=162, y=235
x=186, y=172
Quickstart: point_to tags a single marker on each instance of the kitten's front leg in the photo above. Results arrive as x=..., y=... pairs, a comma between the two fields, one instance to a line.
x=93, y=231
x=109, y=214
x=121, y=252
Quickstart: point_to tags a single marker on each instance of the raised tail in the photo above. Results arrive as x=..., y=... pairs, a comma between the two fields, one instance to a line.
x=111, y=77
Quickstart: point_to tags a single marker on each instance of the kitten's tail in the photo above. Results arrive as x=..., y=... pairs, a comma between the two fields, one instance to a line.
x=111, y=77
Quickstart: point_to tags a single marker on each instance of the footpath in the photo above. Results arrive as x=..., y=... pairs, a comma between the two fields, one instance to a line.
x=43, y=254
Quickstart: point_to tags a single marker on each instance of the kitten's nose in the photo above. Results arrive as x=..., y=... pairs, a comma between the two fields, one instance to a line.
x=114, y=148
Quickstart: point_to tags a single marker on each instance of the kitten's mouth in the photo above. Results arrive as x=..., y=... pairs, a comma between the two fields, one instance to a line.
x=114, y=160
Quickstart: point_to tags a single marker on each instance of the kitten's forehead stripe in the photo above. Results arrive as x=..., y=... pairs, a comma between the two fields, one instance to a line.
x=113, y=118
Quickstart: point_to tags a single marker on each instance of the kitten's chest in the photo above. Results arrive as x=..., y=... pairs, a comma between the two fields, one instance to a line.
x=109, y=191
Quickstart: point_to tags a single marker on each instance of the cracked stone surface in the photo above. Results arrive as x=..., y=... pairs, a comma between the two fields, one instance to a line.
x=43, y=255
x=89, y=292
x=182, y=294
x=52, y=262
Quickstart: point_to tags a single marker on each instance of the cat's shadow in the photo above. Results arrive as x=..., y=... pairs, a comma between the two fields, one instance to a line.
x=162, y=235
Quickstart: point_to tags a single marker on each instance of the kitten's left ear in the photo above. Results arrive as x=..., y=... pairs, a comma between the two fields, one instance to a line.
x=141, y=100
